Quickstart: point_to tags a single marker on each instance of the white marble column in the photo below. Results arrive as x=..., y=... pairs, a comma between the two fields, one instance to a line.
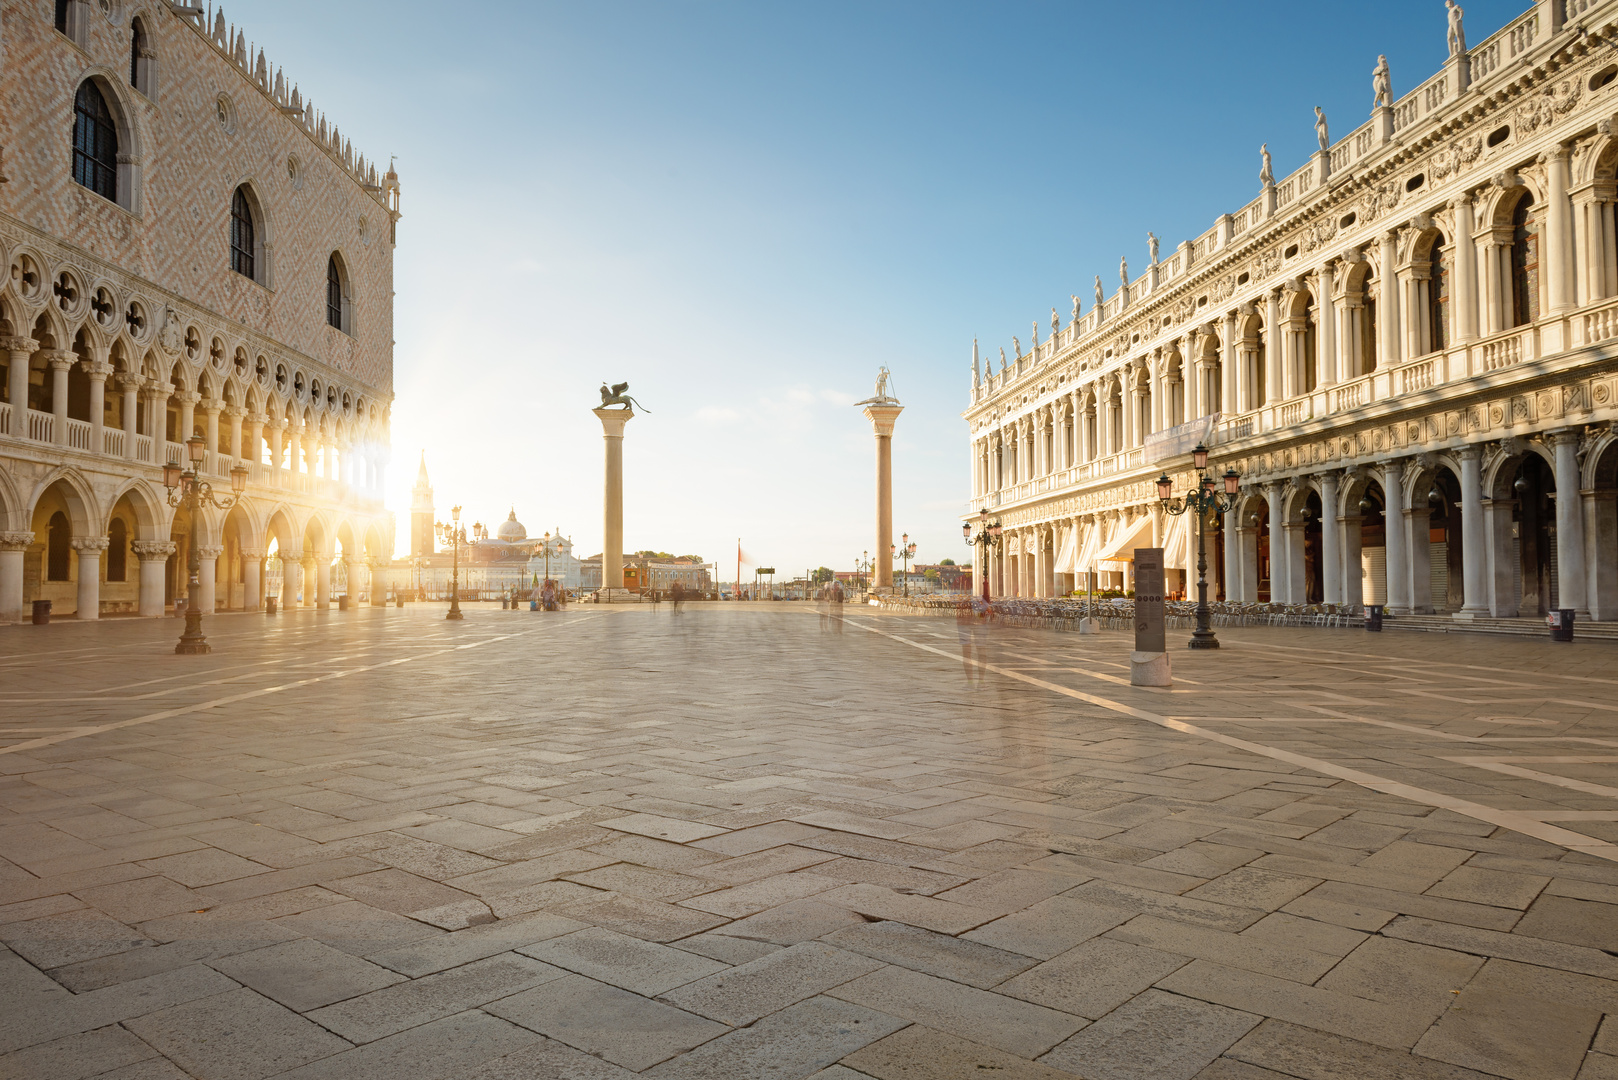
x=153, y=556
x=98, y=371
x=130, y=385
x=210, y=437
x=252, y=579
x=1326, y=326
x=13, y=545
x=1570, y=571
x=1474, y=580
x=322, y=566
x=1273, y=336
x=356, y=580
x=1331, y=535
x=1233, y=562
x=1349, y=525
x=59, y=362
x=882, y=418
x=1249, y=557
x=1463, y=317
x=1559, y=239
x=207, y=578
x=1280, y=565
x=1396, y=530
x=20, y=351
x=1419, y=555
x=1389, y=342
x=1601, y=553
x=89, y=549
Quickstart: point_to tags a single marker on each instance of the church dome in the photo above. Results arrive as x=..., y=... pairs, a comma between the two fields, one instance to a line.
x=511, y=530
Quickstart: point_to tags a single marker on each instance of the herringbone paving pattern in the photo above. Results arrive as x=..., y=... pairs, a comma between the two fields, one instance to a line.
x=743, y=841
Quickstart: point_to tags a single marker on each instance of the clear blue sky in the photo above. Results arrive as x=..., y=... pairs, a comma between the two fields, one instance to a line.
x=744, y=209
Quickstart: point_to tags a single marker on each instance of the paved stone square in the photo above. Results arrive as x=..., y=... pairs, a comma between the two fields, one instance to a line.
x=766, y=841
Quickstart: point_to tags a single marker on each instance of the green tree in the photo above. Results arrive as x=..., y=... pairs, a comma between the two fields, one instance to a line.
x=824, y=574
x=946, y=562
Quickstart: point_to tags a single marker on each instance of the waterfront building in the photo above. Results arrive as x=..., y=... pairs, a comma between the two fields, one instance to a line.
x=1407, y=348
x=193, y=250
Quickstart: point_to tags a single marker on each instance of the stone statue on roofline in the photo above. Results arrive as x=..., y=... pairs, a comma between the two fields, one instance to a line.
x=1266, y=175
x=1003, y=364
x=1123, y=271
x=1100, y=295
x=1075, y=300
x=1382, y=84
x=1457, y=32
x=1321, y=133
x=1056, y=322
x=1151, y=246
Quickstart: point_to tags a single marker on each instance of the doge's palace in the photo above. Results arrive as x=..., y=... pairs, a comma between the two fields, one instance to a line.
x=1408, y=350
x=193, y=250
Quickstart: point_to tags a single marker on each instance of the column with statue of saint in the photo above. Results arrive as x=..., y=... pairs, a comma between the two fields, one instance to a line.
x=882, y=410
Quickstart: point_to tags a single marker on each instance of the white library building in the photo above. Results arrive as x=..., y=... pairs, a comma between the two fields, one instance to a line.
x=1407, y=350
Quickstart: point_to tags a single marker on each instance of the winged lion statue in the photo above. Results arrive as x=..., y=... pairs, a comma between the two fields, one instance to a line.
x=617, y=396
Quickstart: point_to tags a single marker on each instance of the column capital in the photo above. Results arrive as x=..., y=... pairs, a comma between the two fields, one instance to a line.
x=1469, y=452
x=126, y=381
x=290, y=556
x=90, y=543
x=212, y=404
x=18, y=344
x=1563, y=434
x=59, y=359
x=15, y=541
x=613, y=421
x=210, y=552
x=233, y=411
x=188, y=397
x=152, y=550
x=252, y=553
x=883, y=417
x=98, y=370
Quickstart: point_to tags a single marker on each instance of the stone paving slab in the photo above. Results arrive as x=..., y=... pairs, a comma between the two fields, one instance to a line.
x=920, y=847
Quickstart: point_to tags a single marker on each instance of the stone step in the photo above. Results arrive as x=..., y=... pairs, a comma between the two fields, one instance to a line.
x=1526, y=627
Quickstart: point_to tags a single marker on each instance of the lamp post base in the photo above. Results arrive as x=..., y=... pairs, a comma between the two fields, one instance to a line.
x=455, y=609
x=1202, y=639
x=192, y=643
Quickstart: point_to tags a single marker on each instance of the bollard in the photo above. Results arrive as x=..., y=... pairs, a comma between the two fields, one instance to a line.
x=271, y=603
x=1561, y=623
x=1373, y=617
x=342, y=602
x=42, y=612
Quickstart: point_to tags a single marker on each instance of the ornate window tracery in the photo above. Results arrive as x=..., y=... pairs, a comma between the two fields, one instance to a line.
x=242, y=235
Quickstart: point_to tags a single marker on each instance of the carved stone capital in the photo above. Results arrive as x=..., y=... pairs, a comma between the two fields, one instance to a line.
x=249, y=554
x=90, y=543
x=98, y=370
x=188, y=397
x=210, y=552
x=152, y=550
x=212, y=405
x=59, y=360
x=18, y=344
x=15, y=541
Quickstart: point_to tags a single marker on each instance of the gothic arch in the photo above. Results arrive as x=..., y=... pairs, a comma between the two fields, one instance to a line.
x=130, y=125
x=152, y=512
x=84, y=511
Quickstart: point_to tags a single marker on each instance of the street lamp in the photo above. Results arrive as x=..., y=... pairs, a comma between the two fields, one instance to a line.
x=187, y=488
x=906, y=551
x=454, y=534
x=988, y=535
x=1203, y=499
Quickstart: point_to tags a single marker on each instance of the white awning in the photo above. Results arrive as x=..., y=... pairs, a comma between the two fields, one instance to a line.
x=1086, y=560
x=1177, y=548
x=1068, y=561
x=1120, y=550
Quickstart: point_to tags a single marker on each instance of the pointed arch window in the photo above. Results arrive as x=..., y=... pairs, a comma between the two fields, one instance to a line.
x=243, y=235
x=95, y=142
x=140, y=58
x=334, y=293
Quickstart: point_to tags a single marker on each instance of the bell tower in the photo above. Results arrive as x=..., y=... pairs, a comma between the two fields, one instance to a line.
x=421, y=512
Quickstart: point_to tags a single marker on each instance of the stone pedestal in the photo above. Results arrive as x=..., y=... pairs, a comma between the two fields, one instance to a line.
x=1150, y=669
x=612, y=506
x=882, y=418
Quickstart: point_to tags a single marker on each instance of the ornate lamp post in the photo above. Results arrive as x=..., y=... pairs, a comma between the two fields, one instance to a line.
x=1202, y=499
x=988, y=535
x=906, y=551
x=454, y=534
x=188, y=489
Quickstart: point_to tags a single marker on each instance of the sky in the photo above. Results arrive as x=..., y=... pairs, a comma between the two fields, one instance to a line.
x=744, y=209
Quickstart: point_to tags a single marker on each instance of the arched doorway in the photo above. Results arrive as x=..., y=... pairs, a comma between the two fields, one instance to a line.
x=1533, y=518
